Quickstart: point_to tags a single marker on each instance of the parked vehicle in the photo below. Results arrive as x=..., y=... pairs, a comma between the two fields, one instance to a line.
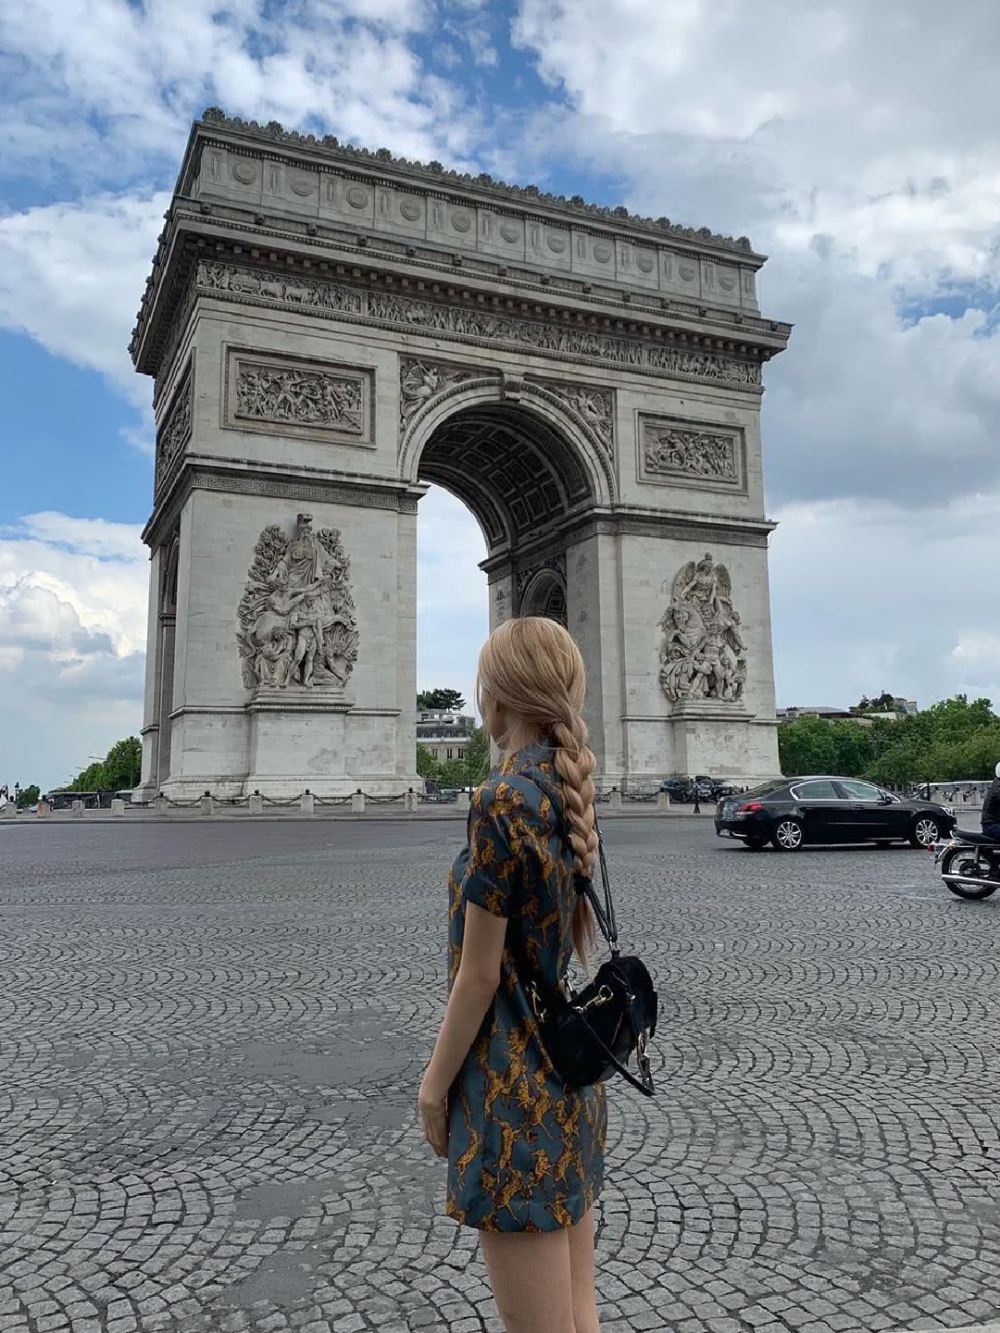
x=680, y=790
x=790, y=812
x=970, y=864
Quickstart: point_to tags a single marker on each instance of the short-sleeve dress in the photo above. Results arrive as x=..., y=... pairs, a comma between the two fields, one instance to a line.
x=525, y=1149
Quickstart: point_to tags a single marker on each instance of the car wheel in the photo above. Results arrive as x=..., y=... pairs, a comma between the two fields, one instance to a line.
x=926, y=831
x=755, y=844
x=788, y=835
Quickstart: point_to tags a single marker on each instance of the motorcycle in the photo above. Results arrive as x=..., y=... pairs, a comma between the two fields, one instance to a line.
x=970, y=864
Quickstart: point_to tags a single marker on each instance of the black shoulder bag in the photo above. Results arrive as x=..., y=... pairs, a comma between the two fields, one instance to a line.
x=589, y=1035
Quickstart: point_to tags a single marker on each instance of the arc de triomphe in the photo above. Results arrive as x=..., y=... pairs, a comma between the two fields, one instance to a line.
x=330, y=329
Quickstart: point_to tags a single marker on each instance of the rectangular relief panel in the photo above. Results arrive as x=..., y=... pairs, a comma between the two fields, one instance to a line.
x=674, y=451
x=299, y=397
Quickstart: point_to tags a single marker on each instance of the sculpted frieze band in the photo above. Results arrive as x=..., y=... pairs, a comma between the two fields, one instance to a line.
x=439, y=318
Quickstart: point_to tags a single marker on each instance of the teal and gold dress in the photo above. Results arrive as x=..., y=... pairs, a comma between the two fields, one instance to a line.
x=525, y=1150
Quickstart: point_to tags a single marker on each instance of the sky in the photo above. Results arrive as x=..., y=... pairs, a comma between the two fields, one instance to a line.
x=854, y=143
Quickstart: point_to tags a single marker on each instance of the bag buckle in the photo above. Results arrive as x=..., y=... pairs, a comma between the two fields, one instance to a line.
x=602, y=997
x=537, y=1008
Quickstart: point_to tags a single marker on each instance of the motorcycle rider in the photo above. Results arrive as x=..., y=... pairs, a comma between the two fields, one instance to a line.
x=991, y=809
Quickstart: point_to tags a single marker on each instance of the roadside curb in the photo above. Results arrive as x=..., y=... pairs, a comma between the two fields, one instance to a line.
x=65, y=818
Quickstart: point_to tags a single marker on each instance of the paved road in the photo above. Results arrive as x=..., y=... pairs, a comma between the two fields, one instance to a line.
x=210, y=1040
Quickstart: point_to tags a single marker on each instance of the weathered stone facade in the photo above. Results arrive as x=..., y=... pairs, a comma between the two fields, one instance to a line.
x=331, y=329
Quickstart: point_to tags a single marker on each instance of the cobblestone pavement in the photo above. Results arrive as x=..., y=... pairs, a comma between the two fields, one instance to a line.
x=211, y=1037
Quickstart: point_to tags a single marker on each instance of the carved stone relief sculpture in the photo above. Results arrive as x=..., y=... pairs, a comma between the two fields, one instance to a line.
x=297, y=622
x=175, y=433
x=420, y=381
x=594, y=407
x=703, y=653
x=299, y=397
x=692, y=453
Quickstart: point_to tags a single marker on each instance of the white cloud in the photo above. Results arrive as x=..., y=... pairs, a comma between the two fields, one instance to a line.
x=865, y=599
x=140, y=72
x=71, y=276
x=72, y=630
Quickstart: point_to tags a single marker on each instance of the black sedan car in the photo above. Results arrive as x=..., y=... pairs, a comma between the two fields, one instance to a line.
x=790, y=812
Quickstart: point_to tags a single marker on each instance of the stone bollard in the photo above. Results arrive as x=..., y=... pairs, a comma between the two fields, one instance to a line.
x=462, y=803
x=77, y=808
x=663, y=800
x=615, y=799
x=117, y=807
x=256, y=804
x=358, y=803
x=207, y=805
x=160, y=805
x=8, y=811
x=307, y=803
x=44, y=809
x=410, y=803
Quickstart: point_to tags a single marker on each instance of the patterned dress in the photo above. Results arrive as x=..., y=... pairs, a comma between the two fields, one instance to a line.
x=525, y=1150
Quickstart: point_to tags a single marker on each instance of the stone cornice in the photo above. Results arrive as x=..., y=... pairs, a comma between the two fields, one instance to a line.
x=235, y=230
x=631, y=520
x=202, y=472
x=436, y=177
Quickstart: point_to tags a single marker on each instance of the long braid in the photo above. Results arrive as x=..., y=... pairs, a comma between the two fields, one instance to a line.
x=574, y=763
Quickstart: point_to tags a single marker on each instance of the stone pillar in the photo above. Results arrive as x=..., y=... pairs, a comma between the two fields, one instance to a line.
x=663, y=800
x=117, y=808
x=410, y=803
x=256, y=804
x=8, y=811
x=44, y=809
x=615, y=799
x=462, y=803
x=358, y=803
x=307, y=803
x=77, y=808
x=160, y=805
x=207, y=804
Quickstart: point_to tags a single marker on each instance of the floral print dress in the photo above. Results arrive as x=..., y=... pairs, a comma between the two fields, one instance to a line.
x=525, y=1150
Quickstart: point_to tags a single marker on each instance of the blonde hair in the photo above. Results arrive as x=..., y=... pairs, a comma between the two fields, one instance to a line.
x=532, y=666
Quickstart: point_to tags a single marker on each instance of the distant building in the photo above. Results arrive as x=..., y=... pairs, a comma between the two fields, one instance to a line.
x=864, y=717
x=830, y=714
x=443, y=733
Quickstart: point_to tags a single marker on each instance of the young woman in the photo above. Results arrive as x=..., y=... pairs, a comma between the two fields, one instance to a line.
x=525, y=1151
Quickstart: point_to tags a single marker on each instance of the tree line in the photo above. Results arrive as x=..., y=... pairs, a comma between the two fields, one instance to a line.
x=950, y=741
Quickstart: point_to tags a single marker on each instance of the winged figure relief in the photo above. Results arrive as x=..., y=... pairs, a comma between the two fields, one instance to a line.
x=702, y=655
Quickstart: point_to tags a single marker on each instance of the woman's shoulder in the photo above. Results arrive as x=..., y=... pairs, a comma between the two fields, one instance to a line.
x=513, y=794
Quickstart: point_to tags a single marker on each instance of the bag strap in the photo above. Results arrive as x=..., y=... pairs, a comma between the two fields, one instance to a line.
x=645, y=1085
x=605, y=914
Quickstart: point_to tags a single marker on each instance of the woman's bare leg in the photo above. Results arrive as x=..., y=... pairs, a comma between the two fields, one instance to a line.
x=530, y=1278
x=581, y=1270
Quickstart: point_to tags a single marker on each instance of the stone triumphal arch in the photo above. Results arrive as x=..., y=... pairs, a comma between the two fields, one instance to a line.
x=330, y=330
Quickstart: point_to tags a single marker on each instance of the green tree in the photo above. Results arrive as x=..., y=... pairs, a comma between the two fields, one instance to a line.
x=806, y=746
x=427, y=765
x=119, y=769
x=453, y=773
x=28, y=796
x=123, y=764
x=477, y=757
x=452, y=701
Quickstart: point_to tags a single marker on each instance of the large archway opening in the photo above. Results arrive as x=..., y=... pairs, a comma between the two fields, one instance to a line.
x=502, y=485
